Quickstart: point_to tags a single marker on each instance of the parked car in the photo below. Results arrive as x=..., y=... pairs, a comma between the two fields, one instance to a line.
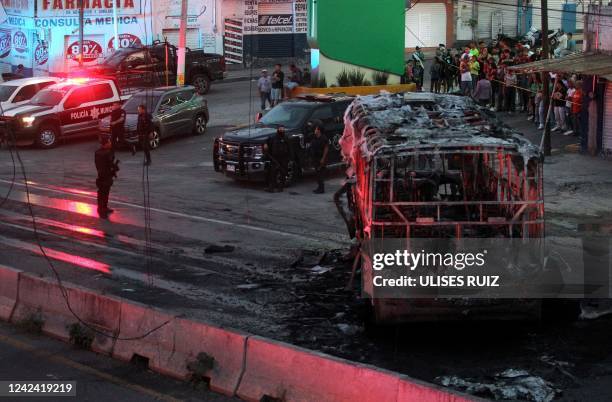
x=239, y=153
x=156, y=65
x=175, y=111
x=18, y=92
x=70, y=108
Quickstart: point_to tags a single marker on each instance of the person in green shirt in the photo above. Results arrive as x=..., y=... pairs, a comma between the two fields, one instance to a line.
x=474, y=67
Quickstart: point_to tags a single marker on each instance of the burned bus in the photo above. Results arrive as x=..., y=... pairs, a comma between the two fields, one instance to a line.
x=424, y=165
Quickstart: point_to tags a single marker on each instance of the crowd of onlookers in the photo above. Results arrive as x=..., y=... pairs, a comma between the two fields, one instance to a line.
x=482, y=72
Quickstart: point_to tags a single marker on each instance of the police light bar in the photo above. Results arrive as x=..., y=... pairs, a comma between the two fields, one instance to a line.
x=77, y=81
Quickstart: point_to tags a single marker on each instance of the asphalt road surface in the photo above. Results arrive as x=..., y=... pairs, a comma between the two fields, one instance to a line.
x=234, y=255
x=29, y=357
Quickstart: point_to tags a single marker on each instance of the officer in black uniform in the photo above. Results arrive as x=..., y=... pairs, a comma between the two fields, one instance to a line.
x=144, y=127
x=117, y=123
x=319, y=148
x=278, y=150
x=107, y=168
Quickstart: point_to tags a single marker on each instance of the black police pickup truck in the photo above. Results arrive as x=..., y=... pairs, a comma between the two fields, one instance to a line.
x=239, y=153
x=145, y=66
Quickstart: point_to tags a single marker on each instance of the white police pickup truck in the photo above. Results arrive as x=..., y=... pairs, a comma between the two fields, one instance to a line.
x=18, y=92
x=67, y=109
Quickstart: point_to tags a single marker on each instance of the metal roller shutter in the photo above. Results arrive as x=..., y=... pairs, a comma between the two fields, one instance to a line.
x=607, y=121
x=510, y=14
x=427, y=23
x=485, y=17
x=555, y=14
x=193, y=37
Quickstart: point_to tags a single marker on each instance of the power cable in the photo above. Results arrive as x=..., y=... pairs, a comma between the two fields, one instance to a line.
x=536, y=8
x=63, y=290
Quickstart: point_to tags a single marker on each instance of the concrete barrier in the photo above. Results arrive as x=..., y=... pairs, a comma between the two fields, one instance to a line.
x=287, y=372
x=9, y=290
x=42, y=299
x=170, y=348
x=363, y=90
x=411, y=390
x=250, y=367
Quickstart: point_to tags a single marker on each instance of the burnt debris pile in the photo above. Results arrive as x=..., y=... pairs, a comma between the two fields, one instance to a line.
x=428, y=165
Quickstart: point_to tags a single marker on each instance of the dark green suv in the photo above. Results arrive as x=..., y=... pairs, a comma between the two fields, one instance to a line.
x=175, y=111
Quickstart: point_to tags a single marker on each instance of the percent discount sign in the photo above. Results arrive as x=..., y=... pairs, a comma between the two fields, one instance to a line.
x=92, y=50
x=125, y=40
x=41, y=54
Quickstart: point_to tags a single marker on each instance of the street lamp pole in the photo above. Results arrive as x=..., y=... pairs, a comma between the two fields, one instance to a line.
x=545, y=79
x=180, y=73
x=81, y=29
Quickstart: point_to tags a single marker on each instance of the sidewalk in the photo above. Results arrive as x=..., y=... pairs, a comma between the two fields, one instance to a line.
x=559, y=142
x=237, y=72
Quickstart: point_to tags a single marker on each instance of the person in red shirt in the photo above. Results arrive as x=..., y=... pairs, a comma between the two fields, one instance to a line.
x=576, y=109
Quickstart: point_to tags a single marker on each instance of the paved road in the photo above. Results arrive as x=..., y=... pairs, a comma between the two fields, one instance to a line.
x=191, y=209
x=28, y=357
x=257, y=287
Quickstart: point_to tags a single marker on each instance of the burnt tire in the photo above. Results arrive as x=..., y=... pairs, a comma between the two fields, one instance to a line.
x=200, y=125
x=47, y=136
x=201, y=82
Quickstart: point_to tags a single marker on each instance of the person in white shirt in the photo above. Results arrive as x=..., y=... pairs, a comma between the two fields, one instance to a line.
x=264, y=86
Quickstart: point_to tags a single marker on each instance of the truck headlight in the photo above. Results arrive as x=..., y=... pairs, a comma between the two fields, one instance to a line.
x=258, y=152
x=28, y=121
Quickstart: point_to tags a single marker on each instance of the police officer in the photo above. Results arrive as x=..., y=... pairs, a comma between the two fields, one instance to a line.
x=278, y=150
x=144, y=128
x=106, y=167
x=319, y=148
x=117, y=123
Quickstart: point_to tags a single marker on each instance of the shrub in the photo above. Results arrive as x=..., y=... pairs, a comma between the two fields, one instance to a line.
x=356, y=78
x=380, y=77
x=343, y=79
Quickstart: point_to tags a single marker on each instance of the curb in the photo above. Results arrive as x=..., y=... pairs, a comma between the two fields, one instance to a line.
x=243, y=365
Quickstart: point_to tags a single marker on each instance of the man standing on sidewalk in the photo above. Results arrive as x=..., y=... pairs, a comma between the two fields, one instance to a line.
x=264, y=86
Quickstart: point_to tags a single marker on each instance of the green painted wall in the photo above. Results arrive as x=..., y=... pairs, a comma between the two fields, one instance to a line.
x=366, y=33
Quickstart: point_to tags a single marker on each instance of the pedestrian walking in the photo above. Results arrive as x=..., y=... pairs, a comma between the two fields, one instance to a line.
x=107, y=168
x=278, y=78
x=264, y=86
x=278, y=150
x=144, y=127
x=319, y=149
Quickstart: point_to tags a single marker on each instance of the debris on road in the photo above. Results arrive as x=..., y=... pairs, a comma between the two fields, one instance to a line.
x=593, y=309
x=319, y=270
x=511, y=384
x=213, y=248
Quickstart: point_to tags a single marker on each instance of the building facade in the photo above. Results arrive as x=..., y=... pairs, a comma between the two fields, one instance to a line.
x=42, y=35
x=350, y=35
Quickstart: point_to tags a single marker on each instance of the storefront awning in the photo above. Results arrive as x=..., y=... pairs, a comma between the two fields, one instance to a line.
x=579, y=63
